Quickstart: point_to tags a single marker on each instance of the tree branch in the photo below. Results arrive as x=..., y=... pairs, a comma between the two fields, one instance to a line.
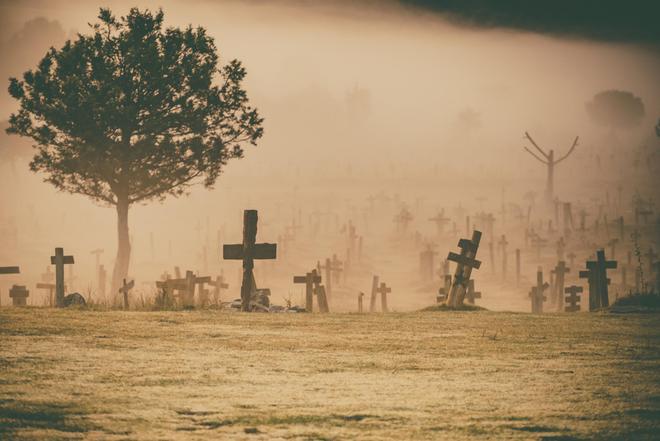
x=535, y=145
x=569, y=152
x=532, y=153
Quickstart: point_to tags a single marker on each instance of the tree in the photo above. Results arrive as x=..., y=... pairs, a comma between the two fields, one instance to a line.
x=616, y=109
x=132, y=113
x=549, y=160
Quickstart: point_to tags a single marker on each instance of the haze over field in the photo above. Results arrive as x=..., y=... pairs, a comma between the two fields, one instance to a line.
x=357, y=100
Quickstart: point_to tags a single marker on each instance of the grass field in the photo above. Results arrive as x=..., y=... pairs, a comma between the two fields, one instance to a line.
x=217, y=375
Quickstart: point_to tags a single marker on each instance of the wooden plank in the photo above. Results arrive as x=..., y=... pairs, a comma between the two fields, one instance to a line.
x=232, y=252
x=265, y=251
x=9, y=270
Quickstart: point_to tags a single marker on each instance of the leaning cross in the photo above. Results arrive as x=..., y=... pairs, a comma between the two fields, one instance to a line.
x=309, y=279
x=596, y=274
x=59, y=260
x=573, y=298
x=465, y=262
x=125, y=289
x=248, y=251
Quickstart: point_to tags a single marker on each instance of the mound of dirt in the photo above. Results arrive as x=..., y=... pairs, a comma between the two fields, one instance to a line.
x=640, y=302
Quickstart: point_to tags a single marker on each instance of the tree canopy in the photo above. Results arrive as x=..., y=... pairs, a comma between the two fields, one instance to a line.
x=134, y=112
x=616, y=109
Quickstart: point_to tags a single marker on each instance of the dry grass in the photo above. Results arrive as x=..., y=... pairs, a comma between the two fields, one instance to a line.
x=433, y=375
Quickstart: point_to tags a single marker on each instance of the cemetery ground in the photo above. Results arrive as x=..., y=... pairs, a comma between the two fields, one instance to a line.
x=205, y=374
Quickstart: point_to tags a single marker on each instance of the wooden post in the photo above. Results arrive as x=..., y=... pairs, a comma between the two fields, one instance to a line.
x=465, y=263
x=322, y=299
x=517, y=266
x=503, y=244
x=248, y=251
x=360, y=297
x=374, y=294
x=59, y=260
x=471, y=294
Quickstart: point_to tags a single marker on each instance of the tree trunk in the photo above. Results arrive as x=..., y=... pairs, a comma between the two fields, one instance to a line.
x=122, y=261
x=549, y=188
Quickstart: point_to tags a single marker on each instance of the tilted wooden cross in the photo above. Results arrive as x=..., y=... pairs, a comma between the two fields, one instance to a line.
x=559, y=272
x=383, y=289
x=596, y=275
x=465, y=261
x=248, y=251
x=203, y=295
x=309, y=280
x=319, y=292
x=536, y=294
x=573, y=299
x=471, y=294
x=125, y=289
x=59, y=260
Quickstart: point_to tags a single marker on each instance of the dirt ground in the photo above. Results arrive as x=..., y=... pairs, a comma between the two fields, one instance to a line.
x=218, y=375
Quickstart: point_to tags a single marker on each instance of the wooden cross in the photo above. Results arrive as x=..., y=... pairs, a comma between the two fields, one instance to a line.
x=248, y=251
x=51, y=289
x=443, y=292
x=536, y=293
x=596, y=275
x=309, y=280
x=319, y=291
x=125, y=289
x=331, y=269
x=218, y=285
x=538, y=242
x=573, y=299
x=440, y=221
x=426, y=262
x=383, y=289
x=465, y=261
x=203, y=293
x=571, y=258
x=97, y=253
x=559, y=272
x=471, y=294
x=59, y=260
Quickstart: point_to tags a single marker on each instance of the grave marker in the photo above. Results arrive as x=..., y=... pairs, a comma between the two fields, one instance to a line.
x=125, y=289
x=309, y=279
x=596, y=274
x=465, y=263
x=360, y=297
x=573, y=299
x=471, y=294
x=559, y=272
x=383, y=289
x=536, y=294
x=374, y=294
x=19, y=295
x=248, y=251
x=59, y=260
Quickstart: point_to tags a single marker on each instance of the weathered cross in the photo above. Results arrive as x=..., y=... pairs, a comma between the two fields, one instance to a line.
x=573, y=298
x=59, y=260
x=471, y=294
x=309, y=280
x=248, y=251
x=97, y=253
x=466, y=261
x=536, y=293
x=440, y=221
x=383, y=289
x=19, y=295
x=402, y=220
x=612, y=243
x=559, y=272
x=319, y=291
x=332, y=268
x=596, y=274
x=125, y=289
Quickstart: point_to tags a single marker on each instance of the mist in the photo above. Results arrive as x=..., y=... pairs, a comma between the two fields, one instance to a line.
x=359, y=100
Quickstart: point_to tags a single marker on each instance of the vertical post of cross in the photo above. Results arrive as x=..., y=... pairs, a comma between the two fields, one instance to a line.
x=59, y=260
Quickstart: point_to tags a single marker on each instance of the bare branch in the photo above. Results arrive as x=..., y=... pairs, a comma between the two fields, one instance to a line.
x=534, y=155
x=535, y=145
x=575, y=143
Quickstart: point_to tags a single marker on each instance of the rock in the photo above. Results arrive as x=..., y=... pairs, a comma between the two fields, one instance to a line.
x=74, y=299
